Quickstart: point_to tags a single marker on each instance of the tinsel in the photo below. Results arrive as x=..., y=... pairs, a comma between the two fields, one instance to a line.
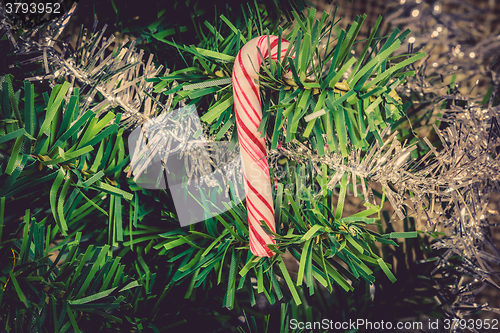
x=450, y=186
x=119, y=79
x=471, y=159
x=119, y=76
x=463, y=42
x=179, y=135
x=460, y=37
x=6, y=27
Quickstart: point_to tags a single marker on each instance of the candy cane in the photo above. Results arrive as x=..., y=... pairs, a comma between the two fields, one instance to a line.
x=253, y=148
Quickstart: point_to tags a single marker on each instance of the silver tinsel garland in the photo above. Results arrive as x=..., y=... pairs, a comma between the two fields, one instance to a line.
x=95, y=64
x=112, y=74
x=449, y=186
x=462, y=40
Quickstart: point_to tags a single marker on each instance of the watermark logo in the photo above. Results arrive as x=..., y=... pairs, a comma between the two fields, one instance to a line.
x=204, y=177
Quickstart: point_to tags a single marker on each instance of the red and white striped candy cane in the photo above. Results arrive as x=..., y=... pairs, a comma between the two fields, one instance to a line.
x=253, y=148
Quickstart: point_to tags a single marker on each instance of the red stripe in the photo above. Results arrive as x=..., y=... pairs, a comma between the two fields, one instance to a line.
x=264, y=168
x=257, y=160
x=259, y=239
x=246, y=149
x=254, y=118
x=251, y=135
x=251, y=154
x=261, y=197
x=248, y=102
x=256, y=220
x=263, y=217
x=252, y=248
x=252, y=145
x=259, y=46
x=262, y=246
x=248, y=135
x=257, y=211
x=274, y=43
x=250, y=149
x=264, y=48
x=247, y=76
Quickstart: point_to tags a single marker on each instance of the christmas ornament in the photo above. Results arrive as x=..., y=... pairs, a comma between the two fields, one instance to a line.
x=253, y=147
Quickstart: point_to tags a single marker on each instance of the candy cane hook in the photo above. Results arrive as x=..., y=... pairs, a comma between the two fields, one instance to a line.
x=248, y=109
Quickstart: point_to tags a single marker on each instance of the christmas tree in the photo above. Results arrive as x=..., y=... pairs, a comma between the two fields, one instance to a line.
x=303, y=191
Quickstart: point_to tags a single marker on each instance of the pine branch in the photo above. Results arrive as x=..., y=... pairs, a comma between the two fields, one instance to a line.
x=45, y=289
x=117, y=79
